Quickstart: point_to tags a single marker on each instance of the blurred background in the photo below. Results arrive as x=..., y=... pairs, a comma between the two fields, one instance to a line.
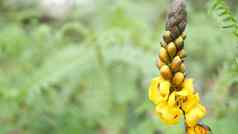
x=84, y=66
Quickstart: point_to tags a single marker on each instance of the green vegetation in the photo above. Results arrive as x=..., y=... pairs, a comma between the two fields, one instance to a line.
x=89, y=72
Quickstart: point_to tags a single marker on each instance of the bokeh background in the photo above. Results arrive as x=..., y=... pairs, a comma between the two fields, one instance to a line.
x=84, y=66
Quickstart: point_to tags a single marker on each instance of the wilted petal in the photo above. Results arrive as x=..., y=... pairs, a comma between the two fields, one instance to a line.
x=198, y=129
x=190, y=130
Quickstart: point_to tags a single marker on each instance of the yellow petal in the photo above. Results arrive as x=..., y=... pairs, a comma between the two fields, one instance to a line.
x=172, y=100
x=184, y=92
x=153, y=90
x=190, y=102
x=187, y=88
x=168, y=114
x=195, y=114
x=188, y=83
x=164, y=89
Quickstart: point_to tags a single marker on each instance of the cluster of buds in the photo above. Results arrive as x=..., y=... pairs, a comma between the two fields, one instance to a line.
x=171, y=92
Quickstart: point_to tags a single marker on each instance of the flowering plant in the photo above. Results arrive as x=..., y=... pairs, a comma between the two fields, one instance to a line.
x=172, y=93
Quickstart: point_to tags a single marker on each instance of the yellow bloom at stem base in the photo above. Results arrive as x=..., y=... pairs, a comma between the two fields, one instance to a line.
x=190, y=102
x=195, y=114
x=170, y=104
x=168, y=114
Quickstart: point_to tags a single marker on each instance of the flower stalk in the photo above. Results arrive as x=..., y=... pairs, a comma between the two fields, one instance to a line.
x=172, y=93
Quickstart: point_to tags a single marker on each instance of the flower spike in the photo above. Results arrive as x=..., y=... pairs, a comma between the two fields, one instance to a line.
x=172, y=93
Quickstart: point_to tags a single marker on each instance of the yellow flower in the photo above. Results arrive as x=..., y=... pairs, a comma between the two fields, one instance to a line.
x=187, y=88
x=159, y=90
x=190, y=102
x=195, y=114
x=168, y=114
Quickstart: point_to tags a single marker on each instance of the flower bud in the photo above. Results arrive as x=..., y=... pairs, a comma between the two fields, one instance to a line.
x=175, y=65
x=159, y=63
x=167, y=36
x=179, y=42
x=166, y=72
x=182, y=53
x=184, y=35
x=172, y=50
x=182, y=68
x=178, y=79
x=163, y=44
x=164, y=55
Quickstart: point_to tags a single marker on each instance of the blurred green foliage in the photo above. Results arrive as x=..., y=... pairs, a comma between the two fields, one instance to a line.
x=89, y=73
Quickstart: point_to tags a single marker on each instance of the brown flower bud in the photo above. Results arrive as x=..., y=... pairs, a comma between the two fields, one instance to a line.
x=179, y=42
x=182, y=68
x=172, y=50
x=167, y=36
x=182, y=54
x=163, y=55
x=159, y=63
x=178, y=79
x=175, y=65
x=166, y=72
